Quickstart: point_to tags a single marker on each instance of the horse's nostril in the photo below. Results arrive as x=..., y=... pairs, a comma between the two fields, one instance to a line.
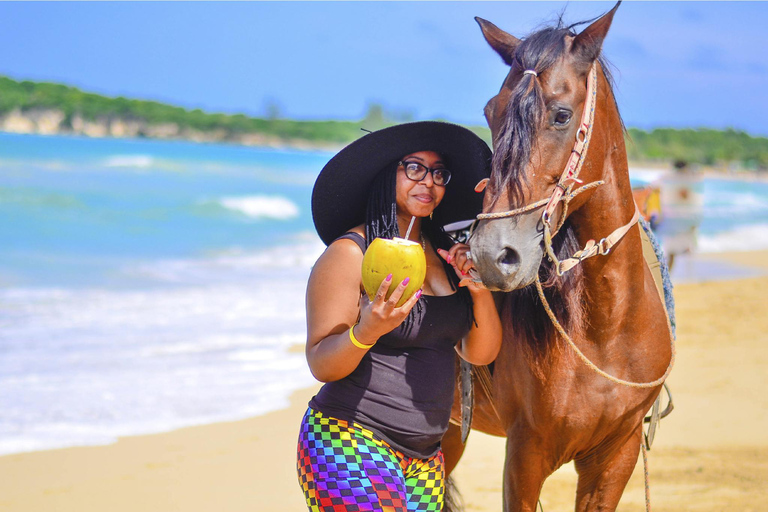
x=509, y=257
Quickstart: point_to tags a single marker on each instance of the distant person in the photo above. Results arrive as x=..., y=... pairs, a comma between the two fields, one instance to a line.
x=648, y=199
x=370, y=439
x=681, y=207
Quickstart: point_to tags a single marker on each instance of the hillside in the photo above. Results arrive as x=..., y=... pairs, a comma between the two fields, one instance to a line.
x=49, y=108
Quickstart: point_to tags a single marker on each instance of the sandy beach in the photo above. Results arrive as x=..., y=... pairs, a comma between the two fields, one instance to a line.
x=711, y=454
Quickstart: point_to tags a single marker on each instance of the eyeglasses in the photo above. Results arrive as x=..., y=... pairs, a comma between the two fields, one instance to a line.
x=417, y=172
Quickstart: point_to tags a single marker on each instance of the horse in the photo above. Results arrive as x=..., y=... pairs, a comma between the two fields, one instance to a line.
x=584, y=400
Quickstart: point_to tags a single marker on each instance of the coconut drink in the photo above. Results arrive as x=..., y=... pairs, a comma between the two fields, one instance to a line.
x=400, y=257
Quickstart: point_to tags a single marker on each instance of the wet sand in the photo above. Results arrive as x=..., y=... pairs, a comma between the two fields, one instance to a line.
x=711, y=454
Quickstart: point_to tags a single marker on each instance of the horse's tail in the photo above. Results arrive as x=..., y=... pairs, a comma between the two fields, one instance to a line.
x=452, y=501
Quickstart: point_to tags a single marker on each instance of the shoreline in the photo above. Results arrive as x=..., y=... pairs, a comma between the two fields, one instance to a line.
x=710, y=454
x=212, y=464
x=258, y=140
x=274, y=144
x=725, y=266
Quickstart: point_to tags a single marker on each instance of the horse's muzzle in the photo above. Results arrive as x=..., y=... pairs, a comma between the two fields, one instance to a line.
x=507, y=252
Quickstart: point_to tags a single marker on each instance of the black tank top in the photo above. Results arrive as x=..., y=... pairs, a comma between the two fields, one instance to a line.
x=402, y=390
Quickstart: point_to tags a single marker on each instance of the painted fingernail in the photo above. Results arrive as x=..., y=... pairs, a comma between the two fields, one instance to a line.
x=388, y=278
x=418, y=294
x=406, y=280
x=463, y=273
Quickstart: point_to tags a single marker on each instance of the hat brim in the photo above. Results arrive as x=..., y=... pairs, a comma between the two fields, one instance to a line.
x=341, y=191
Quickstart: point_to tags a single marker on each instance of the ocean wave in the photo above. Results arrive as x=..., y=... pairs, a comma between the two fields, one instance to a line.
x=36, y=427
x=741, y=238
x=133, y=161
x=84, y=366
x=646, y=176
x=258, y=207
x=219, y=343
x=730, y=204
x=292, y=262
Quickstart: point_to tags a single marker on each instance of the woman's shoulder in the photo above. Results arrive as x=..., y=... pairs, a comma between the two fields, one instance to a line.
x=355, y=235
x=344, y=251
x=360, y=230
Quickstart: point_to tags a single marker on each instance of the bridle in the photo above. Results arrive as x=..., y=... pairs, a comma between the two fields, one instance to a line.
x=564, y=192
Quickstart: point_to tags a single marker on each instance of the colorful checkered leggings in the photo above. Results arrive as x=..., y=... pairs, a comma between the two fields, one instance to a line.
x=346, y=468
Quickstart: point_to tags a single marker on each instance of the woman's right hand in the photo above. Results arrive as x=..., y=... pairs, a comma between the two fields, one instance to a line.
x=381, y=315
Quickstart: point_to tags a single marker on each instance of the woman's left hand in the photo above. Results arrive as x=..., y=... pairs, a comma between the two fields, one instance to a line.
x=482, y=344
x=458, y=258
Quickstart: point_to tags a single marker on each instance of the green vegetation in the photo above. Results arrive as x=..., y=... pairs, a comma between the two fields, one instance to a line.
x=71, y=101
x=703, y=146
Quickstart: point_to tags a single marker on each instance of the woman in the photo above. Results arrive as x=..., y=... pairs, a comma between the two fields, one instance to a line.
x=371, y=437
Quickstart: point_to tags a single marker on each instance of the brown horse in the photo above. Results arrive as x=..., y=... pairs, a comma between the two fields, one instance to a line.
x=551, y=405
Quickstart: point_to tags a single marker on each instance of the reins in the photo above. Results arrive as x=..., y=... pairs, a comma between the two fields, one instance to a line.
x=592, y=365
x=564, y=192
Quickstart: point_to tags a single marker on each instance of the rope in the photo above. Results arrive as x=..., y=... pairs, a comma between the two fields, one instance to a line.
x=538, y=204
x=592, y=365
x=512, y=213
x=484, y=378
x=645, y=473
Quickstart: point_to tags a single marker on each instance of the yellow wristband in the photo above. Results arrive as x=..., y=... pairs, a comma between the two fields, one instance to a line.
x=357, y=343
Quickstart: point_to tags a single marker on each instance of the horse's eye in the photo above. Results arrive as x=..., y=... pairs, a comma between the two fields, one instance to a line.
x=562, y=117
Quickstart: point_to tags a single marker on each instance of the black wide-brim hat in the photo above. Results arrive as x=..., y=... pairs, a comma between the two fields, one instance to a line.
x=341, y=191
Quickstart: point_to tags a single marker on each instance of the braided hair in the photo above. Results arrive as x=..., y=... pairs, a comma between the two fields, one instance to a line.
x=381, y=222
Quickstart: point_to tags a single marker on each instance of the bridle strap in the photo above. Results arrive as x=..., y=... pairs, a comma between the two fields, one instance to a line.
x=591, y=248
x=579, y=152
x=564, y=193
x=538, y=204
x=570, y=175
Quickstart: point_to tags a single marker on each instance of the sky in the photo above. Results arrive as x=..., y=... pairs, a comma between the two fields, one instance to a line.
x=677, y=64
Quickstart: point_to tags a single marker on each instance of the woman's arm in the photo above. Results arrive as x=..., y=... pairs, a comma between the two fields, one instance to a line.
x=334, y=304
x=483, y=342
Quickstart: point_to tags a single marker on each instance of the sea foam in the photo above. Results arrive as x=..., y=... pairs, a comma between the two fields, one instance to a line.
x=272, y=207
x=134, y=161
x=236, y=266
x=742, y=238
x=133, y=362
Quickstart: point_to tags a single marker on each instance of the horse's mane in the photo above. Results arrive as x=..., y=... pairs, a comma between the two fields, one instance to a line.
x=566, y=297
x=514, y=144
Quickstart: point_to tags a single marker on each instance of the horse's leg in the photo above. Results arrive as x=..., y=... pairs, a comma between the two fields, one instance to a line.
x=524, y=472
x=602, y=480
x=452, y=448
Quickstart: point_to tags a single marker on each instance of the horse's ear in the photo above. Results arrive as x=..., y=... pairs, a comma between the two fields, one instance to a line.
x=587, y=45
x=503, y=43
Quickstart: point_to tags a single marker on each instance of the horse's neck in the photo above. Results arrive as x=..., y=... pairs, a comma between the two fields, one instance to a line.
x=614, y=280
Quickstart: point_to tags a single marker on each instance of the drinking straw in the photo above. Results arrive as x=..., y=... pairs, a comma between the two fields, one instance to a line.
x=407, y=233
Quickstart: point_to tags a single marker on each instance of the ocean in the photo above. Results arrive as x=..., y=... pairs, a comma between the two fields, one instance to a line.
x=150, y=285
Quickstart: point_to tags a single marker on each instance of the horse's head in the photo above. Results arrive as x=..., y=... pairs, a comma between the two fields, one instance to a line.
x=534, y=120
